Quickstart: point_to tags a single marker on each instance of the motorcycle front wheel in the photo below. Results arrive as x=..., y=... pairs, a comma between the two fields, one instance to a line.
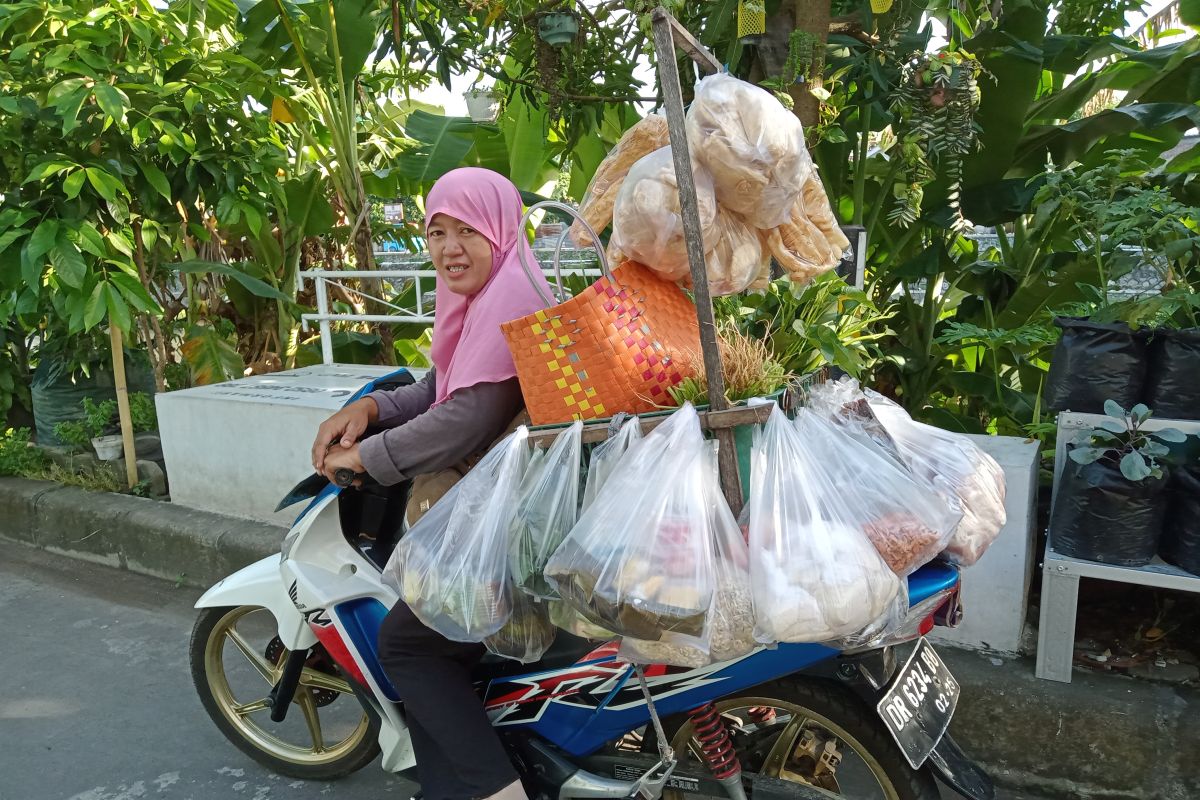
x=236, y=660
x=811, y=732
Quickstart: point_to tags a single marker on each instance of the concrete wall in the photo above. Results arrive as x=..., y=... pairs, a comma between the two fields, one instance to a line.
x=995, y=591
x=237, y=448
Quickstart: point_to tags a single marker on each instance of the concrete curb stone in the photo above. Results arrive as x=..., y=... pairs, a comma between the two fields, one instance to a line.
x=195, y=548
x=1098, y=738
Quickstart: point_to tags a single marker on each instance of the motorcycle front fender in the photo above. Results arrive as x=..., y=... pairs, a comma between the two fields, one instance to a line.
x=260, y=584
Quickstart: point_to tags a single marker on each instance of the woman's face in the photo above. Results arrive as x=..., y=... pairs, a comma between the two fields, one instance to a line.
x=461, y=254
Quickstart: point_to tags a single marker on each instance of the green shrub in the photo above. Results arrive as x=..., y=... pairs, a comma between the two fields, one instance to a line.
x=18, y=457
x=142, y=412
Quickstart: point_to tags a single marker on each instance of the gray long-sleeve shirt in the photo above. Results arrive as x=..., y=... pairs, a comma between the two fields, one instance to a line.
x=422, y=439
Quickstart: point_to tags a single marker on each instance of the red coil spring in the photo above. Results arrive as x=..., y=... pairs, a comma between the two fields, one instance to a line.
x=715, y=745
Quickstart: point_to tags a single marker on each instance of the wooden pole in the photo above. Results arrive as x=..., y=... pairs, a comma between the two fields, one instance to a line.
x=665, y=34
x=118, y=360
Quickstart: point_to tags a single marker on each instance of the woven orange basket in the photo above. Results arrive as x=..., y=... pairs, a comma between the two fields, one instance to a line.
x=619, y=345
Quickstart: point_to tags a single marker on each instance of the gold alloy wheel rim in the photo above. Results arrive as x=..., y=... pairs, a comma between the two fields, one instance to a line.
x=241, y=715
x=684, y=742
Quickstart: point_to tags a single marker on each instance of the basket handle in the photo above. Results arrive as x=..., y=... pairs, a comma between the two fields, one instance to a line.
x=550, y=301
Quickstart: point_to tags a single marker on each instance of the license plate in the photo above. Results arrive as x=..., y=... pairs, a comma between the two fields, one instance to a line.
x=918, y=706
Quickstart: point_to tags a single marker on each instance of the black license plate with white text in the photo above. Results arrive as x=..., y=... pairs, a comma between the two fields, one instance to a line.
x=919, y=704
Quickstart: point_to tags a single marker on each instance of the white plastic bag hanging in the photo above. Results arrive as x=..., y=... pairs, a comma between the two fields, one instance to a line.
x=814, y=574
x=907, y=521
x=966, y=477
x=452, y=567
x=731, y=619
x=639, y=561
x=752, y=147
x=843, y=403
x=647, y=223
x=528, y=633
x=564, y=616
x=546, y=511
x=605, y=457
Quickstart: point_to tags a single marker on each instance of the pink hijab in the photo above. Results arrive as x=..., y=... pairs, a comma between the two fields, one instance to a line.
x=468, y=347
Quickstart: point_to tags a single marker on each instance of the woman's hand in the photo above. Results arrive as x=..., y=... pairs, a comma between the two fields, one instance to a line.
x=346, y=425
x=340, y=457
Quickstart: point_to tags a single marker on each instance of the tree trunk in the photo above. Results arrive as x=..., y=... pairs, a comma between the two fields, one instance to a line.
x=155, y=345
x=811, y=16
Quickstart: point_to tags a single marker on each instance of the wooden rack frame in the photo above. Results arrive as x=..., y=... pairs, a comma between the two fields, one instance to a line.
x=669, y=35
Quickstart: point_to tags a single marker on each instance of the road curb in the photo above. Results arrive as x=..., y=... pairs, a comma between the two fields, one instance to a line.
x=1100, y=737
x=190, y=547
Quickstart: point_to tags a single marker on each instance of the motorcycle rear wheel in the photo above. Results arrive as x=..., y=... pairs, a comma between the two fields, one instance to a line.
x=219, y=648
x=832, y=714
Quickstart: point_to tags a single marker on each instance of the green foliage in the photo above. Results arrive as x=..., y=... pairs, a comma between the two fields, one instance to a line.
x=74, y=433
x=825, y=322
x=934, y=105
x=142, y=412
x=1121, y=440
x=18, y=457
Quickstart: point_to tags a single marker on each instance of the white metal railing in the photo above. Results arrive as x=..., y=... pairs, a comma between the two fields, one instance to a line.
x=420, y=312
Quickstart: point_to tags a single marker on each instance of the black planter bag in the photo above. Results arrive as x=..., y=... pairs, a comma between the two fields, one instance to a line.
x=1099, y=515
x=1181, y=530
x=1094, y=362
x=58, y=395
x=1173, y=381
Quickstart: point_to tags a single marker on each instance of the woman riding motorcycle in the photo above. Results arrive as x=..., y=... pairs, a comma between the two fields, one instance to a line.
x=467, y=400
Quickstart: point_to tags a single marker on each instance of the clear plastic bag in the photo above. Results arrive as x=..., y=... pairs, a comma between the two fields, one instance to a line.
x=639, y=561
x=452, y=567
x=647, y=135
x=966, y=477
x=546, y=511
x=528, y=633
x=606, y=456
x=814, y=574
x=843, y=403
x=730, y=631
x=735, y=255
x=908, y=522
x=752, y=146
x=647, y=225
x=564, y=616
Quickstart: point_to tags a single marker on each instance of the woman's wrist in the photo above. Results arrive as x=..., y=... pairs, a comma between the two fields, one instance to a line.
x=371, y=407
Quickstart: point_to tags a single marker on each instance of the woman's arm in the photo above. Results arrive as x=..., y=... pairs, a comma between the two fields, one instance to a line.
x=404, y=402
x=376, y=408
x=462, y=426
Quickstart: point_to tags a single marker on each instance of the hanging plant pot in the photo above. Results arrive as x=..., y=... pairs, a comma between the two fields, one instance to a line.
x=483, y=105
x=938, y=94
x=558, y=28
x=108, y=448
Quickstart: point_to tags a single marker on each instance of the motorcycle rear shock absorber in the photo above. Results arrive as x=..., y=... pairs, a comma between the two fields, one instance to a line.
x=716, y=749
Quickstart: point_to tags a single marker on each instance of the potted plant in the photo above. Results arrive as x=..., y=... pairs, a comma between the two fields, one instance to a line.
x=99, y=425
x=935, y=104
x=558, y=28
x=483, y=104
x=1109, y=504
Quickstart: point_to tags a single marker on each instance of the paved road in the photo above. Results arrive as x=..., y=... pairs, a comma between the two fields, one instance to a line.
x=96, y=702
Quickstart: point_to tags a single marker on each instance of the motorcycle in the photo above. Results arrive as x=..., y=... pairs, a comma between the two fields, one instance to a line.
x=284, y=656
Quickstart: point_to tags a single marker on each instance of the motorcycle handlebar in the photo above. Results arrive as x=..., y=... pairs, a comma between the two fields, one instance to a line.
x=345, y=477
